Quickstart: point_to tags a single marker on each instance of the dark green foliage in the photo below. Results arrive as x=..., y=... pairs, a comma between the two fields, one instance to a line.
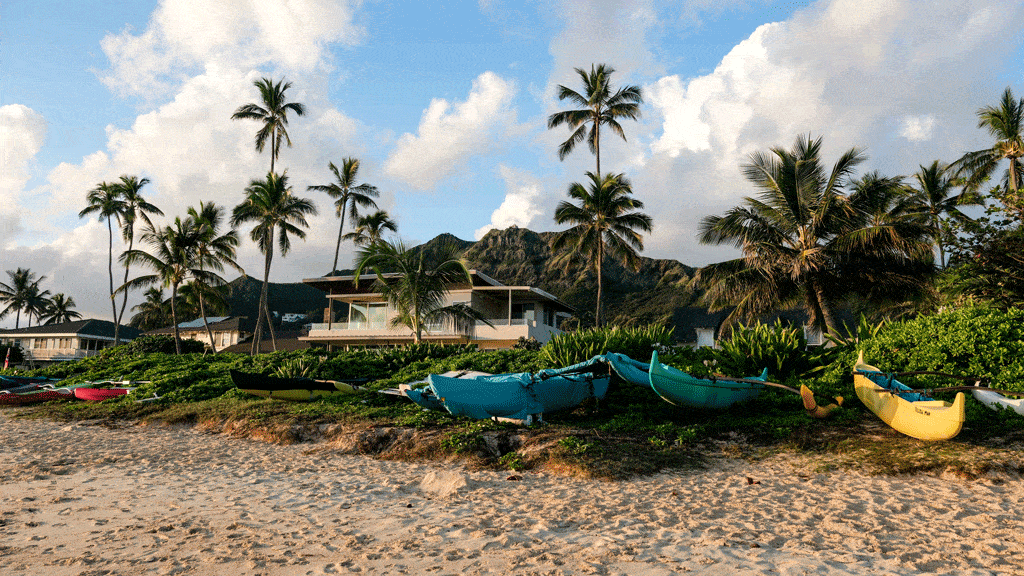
x=155, y=343
x=16, y=355
x=575, y=347
x=778, y=347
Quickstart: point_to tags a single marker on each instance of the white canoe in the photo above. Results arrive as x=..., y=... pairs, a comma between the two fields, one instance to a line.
x=997, y=401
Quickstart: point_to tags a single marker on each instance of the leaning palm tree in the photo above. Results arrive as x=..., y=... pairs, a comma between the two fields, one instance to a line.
x=106, y=202
x=272, y=112
x=173, y=261
x=348, y=196
x=1005, y=123
x=135, y=207
x=153, y=312
x=17, y=295
x=934, y=199
x=270, y=204
x=213, y=251
x=60, y=310
x=598, y=105
x=371, y=227
x=803, y=240
x=415, y=284
x=606, y=222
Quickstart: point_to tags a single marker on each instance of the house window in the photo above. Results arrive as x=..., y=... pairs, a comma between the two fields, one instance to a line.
x=549, y=316
x=524, y=312
x=225, y=338
x=369, y=315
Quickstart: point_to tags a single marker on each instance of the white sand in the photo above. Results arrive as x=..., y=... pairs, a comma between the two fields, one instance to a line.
x=87, y=500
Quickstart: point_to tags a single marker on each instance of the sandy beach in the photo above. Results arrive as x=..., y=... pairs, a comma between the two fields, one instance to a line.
x=81, y=499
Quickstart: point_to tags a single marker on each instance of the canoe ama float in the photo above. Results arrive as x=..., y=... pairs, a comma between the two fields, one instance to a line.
x=997, y=401
x=100, y=394
x=520, y=396
x=910, y=413
x=292, y=389
x=679, y=388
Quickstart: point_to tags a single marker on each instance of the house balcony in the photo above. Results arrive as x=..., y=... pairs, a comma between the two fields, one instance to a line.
x=59, y=354
x=500, y=330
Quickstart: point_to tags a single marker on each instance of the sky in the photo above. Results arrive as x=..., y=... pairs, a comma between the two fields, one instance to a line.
x=445, y=104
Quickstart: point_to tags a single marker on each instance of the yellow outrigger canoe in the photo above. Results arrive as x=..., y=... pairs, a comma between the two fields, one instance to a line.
x=911, y=413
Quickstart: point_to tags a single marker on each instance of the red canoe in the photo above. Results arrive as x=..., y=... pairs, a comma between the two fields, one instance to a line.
x=18, y=399
x=99, y=394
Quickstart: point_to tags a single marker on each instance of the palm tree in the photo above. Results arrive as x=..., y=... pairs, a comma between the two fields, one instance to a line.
x=213, y=251
x=934, y=198
x=154, y=312
x=36, y=302
x=347, y=196
x=370, y=228
x=415, y=283
x=1005, y=122
x=18, y=294
x=597, y=106
x=804, y=240
x=270, y=204
x=60, y=310
x=606, y=219
x=134, y=207
x=273, y=114
x=105, y=201
x=173, y=261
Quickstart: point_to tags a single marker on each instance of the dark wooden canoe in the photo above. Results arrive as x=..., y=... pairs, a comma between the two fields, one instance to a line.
x=293, y=389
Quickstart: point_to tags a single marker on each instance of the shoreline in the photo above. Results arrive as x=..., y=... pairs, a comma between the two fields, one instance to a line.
x=83, y=499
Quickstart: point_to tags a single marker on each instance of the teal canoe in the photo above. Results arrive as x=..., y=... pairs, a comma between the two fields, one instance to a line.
x=519, y=396
x=632, y=371
x=679, y=388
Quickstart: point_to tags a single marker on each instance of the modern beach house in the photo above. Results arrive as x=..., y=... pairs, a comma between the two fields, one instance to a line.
x=51, y=343
x=513, y=311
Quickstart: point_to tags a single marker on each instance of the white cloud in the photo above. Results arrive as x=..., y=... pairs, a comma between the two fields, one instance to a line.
x=450, y=133
x=247, y=33
x=22, y=134
x=524, y=203
x=917, y=128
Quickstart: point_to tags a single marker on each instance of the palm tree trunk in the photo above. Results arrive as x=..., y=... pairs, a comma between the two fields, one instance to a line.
x=819, y=310
x=270, y=325
x=202, y=312
x=110, y=272
x=600, y=266
x=17, y=318
x=597, y=144
x=263, y=308
x=174, y=319
x=417, y=324
x=124, y=302
x=337, y=251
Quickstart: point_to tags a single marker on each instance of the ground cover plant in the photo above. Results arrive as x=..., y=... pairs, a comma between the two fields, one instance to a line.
x=632, y=431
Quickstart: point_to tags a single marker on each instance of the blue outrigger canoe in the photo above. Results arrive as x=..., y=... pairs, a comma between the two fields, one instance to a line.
x=519, y=396
x=679, y=388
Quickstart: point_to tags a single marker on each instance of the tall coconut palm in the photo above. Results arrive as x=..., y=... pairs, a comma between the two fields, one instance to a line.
x=270, y=204
x=106, y=202
x=19, y=293
x=598, y=105
x=272, y=111
x=415, y=283
x=371, y=227
x=934, y=199
x=804, y=240
x=153, y=312
x=606, y=221
x=1005, y=123
x=135, y=207
x=348, y=196
x=60, y=310
x=213, y=251
x=173, y=261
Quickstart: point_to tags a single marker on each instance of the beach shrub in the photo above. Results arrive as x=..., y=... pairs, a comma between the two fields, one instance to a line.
x=637, y=342
x=154, y=343
x=778, y=347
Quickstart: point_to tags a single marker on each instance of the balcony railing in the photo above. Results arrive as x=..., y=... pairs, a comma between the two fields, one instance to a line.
x=436, y=328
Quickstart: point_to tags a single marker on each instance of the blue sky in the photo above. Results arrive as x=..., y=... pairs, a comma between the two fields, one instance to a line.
x=445, y=104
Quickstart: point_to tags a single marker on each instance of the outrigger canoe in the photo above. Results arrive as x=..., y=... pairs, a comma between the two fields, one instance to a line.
x=632, y=371
x=293, y=389
x=42, y=394
x=679, y=388
x=520, y=396
x=997, y=401
x=912, y=413
x=100, y=394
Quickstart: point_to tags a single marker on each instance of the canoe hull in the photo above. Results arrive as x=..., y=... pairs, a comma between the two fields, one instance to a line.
x=517, y=396
x=681, y=389
x=24, y=398
x=99, y=394
x=632, y=371
x=997, y=401
x=908, y=413
x=291, y=389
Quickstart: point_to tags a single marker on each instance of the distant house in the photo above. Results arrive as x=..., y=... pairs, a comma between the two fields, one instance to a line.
x=227, y=330
x=513, y=312
x=52, y=343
